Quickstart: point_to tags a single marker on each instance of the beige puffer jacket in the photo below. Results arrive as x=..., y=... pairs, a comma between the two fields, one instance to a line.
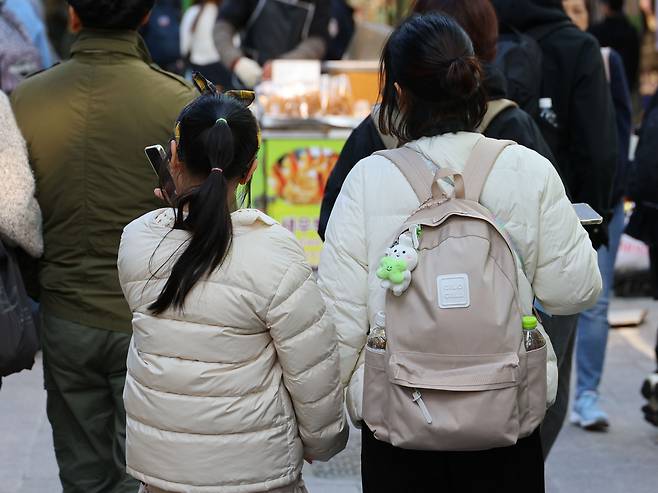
x=556, y=261
x=230, y=395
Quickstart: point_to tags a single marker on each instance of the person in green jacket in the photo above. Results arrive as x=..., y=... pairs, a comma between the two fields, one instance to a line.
x=86, y=122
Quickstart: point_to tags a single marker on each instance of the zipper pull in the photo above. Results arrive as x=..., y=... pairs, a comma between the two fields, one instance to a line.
x=418, y=399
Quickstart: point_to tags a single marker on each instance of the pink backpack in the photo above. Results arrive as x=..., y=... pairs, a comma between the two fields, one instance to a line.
x=455, y=374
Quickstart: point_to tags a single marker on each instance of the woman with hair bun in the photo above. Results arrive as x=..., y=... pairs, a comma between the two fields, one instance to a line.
x=233, y=366
x=503, y=120
x=433, y=100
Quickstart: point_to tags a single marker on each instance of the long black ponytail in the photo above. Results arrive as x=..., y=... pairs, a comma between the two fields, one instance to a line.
x=217, y=142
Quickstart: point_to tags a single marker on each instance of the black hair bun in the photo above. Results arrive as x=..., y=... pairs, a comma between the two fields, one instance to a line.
x=464, y=77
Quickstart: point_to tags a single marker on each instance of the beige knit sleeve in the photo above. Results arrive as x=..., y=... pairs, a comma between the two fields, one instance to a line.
x=223, y=34
x=20, y=216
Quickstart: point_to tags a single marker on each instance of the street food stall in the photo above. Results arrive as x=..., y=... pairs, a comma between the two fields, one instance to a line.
x=306, y=113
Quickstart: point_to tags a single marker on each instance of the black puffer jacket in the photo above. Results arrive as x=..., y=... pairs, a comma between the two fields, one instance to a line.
x=585, y=144
x=512, y=123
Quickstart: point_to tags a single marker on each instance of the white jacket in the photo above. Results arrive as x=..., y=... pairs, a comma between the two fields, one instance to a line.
x=524, y=193
x=231, y=394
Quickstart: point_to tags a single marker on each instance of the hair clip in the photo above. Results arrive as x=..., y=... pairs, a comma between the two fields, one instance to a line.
x=177, y=133
x=221, y=120
x=243, y=96
x=203, y=85
x=216, y=170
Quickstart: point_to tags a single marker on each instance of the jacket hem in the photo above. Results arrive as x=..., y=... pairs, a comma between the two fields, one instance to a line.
x=174, y=487
x=92, y=321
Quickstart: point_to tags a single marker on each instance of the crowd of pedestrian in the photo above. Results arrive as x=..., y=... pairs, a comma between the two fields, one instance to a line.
x=187, y=344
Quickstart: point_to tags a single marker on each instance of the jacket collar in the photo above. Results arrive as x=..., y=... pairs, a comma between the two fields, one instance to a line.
x=248, y=217
x=450, y=150
x=127, y=42
x=242, y=218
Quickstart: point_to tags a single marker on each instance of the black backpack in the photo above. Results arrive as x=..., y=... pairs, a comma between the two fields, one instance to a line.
x=162, y=34
x=19, y=341
x=520, y=58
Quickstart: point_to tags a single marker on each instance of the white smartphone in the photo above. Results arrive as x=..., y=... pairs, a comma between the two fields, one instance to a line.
x=156, y=156
x=587, y=215
x=158, y=159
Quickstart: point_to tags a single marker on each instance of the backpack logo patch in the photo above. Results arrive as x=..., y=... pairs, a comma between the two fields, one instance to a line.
x=453, y=291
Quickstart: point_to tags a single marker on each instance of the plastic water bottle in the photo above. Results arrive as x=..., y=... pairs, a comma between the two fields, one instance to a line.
x=546, y=112
x=532, y=337
x=377, y=335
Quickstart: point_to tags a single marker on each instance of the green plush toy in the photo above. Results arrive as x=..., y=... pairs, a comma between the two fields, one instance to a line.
x=392, y=269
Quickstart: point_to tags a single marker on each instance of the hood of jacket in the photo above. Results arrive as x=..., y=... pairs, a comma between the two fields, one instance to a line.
x=526, y=14
x=494, y=82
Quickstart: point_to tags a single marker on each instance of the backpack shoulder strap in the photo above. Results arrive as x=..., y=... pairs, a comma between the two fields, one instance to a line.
x=479, y=165
x=413, y=168
x=494, y=108
x=605, y=52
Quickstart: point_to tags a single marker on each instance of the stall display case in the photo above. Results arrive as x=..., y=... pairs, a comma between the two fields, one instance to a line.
x=295, y=168
x=305, y=123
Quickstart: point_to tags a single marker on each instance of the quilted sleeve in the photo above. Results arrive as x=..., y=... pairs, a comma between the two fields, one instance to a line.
x=343, y=272
x=306, y=347
x=567, y=278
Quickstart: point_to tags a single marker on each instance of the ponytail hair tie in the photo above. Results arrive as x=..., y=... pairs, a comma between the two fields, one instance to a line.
x=221, y=120
x=217, y=170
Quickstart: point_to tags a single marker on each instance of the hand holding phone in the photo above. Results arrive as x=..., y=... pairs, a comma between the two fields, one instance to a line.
x=159, y=162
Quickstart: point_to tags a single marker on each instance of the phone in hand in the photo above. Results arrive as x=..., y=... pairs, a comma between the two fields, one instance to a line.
x=158, y=159
x=587, y=215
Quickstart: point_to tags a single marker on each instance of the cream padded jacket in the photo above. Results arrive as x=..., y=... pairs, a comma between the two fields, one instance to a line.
x=525, y=194
x=232, y=394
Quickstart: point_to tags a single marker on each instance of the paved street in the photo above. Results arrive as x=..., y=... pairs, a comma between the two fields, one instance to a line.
x=623, y=460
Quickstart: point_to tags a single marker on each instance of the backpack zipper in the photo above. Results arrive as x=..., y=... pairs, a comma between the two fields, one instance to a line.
x=418, y=399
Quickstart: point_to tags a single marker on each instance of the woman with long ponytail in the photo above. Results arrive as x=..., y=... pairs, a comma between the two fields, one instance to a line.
x=233, y=372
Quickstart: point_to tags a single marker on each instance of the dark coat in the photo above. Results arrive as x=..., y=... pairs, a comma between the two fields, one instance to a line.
x=91, y=173
x=617, y=32
x=513, y=124
x=585, y=143
x=643, y=183
x=623, y=117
